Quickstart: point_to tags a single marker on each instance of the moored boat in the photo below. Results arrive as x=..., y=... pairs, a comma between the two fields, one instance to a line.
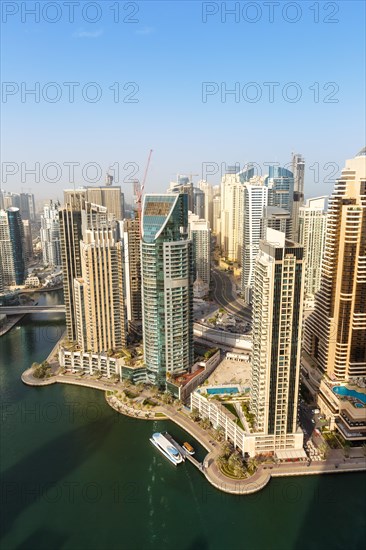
x=188, y=448
x=166, y=448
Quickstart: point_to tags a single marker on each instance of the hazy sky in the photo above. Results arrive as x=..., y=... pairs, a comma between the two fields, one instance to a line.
x=149, y=61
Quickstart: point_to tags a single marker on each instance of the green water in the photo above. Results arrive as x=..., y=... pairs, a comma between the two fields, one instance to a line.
x=77, y=475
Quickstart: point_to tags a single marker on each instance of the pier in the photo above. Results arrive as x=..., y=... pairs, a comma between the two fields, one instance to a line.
x=185, y=454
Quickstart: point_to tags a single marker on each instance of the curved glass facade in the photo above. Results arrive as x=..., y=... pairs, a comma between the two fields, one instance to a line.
x=16, y=232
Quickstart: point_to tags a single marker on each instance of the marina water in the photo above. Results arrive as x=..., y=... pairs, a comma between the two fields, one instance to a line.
x=77, y=475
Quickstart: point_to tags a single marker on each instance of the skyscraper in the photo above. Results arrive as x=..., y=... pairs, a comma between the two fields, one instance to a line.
x=16, y=233
x=27, y=207
x=208, y=209
x=335, y=333
x=312, y=228
x=277, y=316
x=216, y=214
x=255, y=197
x=6, y=251
x=130, y=231
x=231, y=217
x=100, y=313
x=200, y=235
x=50, y=234
x=298, y=170
x=167, y=286
x=280, y=183
x=278, y=219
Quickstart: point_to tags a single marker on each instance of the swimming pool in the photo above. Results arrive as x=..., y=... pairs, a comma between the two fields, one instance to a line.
x=342, y=390
x=216, y=391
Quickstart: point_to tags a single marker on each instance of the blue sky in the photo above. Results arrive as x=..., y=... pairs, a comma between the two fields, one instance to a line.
x=169, y=52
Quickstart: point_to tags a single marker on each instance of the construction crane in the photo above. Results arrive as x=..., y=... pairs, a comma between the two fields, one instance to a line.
x=139, y=191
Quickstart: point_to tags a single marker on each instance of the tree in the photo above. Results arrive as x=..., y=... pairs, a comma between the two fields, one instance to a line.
x=252, y=465
x=225, y=450
x=195, y=415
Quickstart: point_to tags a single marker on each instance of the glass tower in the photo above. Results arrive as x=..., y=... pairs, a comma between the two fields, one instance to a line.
x=167, y=286
x=16, y=232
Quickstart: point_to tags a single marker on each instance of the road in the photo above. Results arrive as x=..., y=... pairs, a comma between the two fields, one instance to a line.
x=224, y=295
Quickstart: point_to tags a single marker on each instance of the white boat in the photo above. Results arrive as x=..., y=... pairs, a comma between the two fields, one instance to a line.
x=166, y=448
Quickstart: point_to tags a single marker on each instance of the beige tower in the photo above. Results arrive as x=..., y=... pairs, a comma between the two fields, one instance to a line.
x=99, y=293
x=335, y=333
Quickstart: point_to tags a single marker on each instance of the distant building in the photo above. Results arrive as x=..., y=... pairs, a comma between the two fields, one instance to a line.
x=130, y=230
x=278, y=219
x=280, y=183
x=50, y=234
x=255, y=199
x=27, y=207
x=200, y=234
x=312, y=231
x=298, y=170
x=231, y=226
x=167, y=286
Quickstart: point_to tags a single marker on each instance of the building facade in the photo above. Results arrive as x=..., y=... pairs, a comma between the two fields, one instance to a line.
x=6, y=252
x=277, y=321
x=335, y=333
x=255, y=198
x=298, y=170
x=200, y=235
x=130, y=230
x=280, y=183
x=231, y=227
x=50, y=234
x=312, y=230
x=16, y=234
x=167, y=286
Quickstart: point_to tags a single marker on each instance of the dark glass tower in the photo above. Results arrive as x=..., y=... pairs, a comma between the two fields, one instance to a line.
x=16, y=233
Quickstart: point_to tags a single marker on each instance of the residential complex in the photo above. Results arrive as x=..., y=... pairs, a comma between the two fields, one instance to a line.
x=335, y=335
x=312, y=231
x=255, y=198
x=50, y=234
x=200, y=234
x=277, y=316
x=130, y=231
x=167, y=286
x=231, y=226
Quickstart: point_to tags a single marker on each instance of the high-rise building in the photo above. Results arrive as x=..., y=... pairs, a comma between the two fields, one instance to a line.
x=50, y=234
x=167, y=286
x=278, y=219
x=255, y=197
x=199, y=203
x=99, y=292
x=335, y=333
x=312, y=228
x=27, y=207
x=231, y=217
x=277, y=319
x=298, y=170
x=28, y=240
x=6, y=252
x=70, y=236
x=109, y=196
x=16, y=233
x=200, y=234
x=183, y=185
x=280, y=183
x=216, y=215
x=130, y=230
x=207, y=189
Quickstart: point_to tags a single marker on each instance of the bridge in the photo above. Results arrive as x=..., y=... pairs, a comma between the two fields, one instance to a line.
x=23, y=310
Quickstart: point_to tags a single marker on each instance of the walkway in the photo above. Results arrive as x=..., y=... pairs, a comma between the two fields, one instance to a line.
x=210, y=469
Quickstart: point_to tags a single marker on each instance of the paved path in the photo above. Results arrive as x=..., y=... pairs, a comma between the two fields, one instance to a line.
x=210, y=469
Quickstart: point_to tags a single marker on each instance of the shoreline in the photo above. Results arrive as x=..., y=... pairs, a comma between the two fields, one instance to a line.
x=250, y=485
x=11, y=321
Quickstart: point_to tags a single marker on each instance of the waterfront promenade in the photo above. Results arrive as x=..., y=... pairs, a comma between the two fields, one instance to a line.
x=335, y=463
